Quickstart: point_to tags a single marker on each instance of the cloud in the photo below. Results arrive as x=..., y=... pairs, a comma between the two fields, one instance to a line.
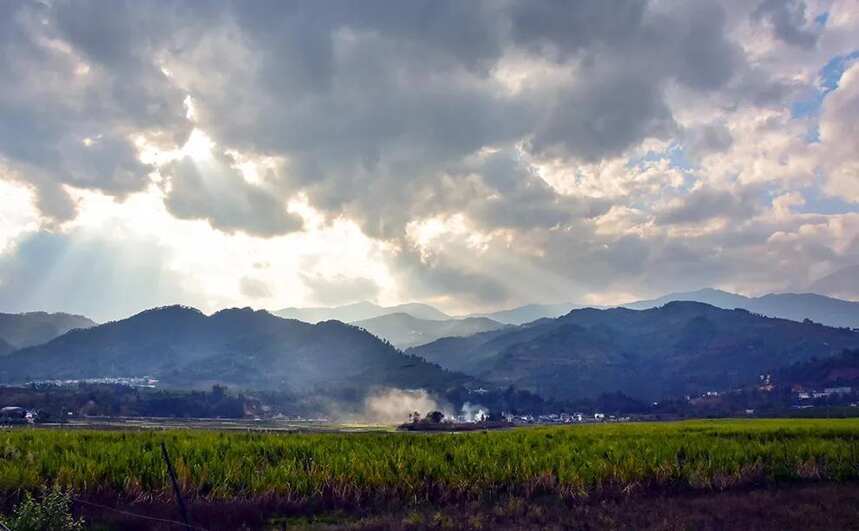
x=788, y=21
x=839, y=136
x=218, y=193
x=340, y=289
x=482, y=153
x=708, y=138
x=704, y=204
x=78, y=87
x=604, y=117
x=254, y=288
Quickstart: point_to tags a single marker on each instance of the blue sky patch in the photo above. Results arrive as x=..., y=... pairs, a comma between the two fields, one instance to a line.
x=830, y=75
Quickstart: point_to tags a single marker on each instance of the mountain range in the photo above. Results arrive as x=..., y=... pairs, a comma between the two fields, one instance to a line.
x=411, y=325
x=680, y=343
x=19, y=330
x=527, y=313
x=677, y=348
x=404, y=330
x=794, y=306
x=183, y=347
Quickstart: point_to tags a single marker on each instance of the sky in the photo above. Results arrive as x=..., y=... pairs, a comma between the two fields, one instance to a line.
x=471, y=155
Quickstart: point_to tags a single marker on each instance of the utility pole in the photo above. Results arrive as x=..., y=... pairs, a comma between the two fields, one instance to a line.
x=179, y=501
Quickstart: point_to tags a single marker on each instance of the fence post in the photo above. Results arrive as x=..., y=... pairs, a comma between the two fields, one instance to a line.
x=179, y=501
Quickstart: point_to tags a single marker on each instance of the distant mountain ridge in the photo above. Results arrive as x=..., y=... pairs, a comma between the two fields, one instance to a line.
x=793, y=306
x=681, y=347
x=360, y=311
x=404, y=330
x=528, y=313
x=843, y=284
x=19, y=330
x=250, y=349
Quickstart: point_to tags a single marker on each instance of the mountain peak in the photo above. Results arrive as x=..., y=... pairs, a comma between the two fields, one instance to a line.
x=170, y=308
x=360, y=311
x=247, y=310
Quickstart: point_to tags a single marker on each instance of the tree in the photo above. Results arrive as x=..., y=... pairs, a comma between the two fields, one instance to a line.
x=435, y=417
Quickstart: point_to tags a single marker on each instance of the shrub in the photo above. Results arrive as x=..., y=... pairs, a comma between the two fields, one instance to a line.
x=51, y=513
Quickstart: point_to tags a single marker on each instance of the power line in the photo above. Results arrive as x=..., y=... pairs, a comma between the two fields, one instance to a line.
x=134, y=515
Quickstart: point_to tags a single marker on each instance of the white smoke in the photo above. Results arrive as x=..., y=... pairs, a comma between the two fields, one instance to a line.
x=474, y=412
x=393, y=406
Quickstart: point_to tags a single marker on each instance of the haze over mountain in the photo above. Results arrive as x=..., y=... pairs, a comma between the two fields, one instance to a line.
x=681, y=347
x=359, y=311
x=21, y=330
x=404, y=330
x=843, y=284
x=794, y=306
x=251, y=349
x=527, y=313
x=5, y=347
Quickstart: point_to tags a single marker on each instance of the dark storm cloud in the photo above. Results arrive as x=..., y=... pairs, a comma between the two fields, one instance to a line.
x=216, y=192
x=788, y=21
x=449, y=275
x=513, y=196
x=76, y=86
x=708, y=138
x=373, y=113
x=562, y=28
x=375, y=105
x=604, y=117
x=618, y=99
x=704, y=204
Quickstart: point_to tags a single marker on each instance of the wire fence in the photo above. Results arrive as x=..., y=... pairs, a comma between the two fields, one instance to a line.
x=133, y=515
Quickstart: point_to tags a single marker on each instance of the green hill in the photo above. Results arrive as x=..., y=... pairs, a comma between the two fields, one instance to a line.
x=682, y=347
x=251, y=349
x=27, y=329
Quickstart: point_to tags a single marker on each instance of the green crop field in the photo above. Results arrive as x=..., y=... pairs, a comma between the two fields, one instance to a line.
x=362, y=468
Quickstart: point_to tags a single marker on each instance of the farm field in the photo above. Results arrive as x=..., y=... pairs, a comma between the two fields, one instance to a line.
x=431, y=480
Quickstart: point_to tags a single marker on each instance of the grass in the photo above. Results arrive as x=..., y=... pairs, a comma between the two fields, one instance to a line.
x=348, y=470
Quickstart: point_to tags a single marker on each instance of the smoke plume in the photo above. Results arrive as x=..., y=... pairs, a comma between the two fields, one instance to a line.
x=393, y=406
